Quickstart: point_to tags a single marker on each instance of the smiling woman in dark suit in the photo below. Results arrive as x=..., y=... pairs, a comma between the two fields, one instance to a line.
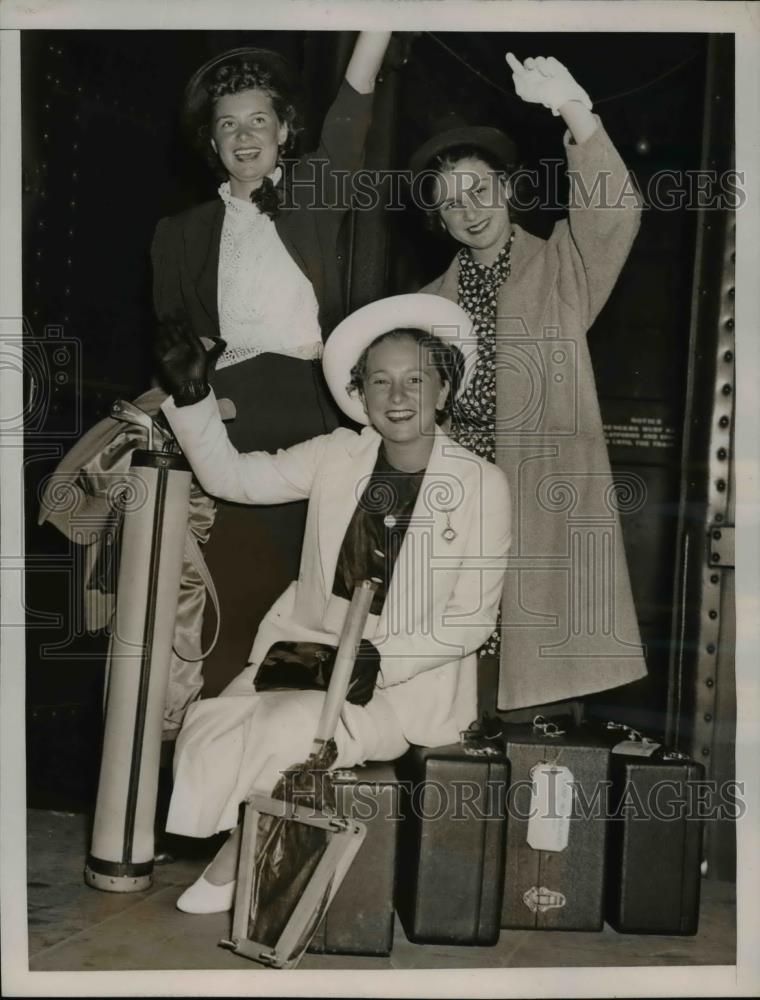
x=258, y=268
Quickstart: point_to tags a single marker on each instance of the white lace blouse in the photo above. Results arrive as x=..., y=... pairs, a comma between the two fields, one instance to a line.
x=266, y=303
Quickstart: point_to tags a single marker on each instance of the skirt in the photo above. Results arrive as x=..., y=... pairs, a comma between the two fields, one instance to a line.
x=254, y=552
x=238, y=743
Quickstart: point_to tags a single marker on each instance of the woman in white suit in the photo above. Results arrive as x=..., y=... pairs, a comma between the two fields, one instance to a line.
x=400, y=502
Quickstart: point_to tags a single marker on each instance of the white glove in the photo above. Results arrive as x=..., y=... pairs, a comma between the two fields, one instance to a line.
x=547, y=82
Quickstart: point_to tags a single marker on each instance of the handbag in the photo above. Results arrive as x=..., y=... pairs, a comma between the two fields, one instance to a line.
x=305, y=666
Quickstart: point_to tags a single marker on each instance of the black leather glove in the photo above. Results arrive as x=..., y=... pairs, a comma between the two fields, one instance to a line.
x=361, y=687
x=183, y=362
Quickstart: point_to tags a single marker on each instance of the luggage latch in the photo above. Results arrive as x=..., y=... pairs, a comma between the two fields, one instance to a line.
x=344, y=774
x=481, y=751
x=539, y=899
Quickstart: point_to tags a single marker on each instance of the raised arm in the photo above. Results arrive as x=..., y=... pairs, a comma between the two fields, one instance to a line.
x=605, y=208
x=546, y=81
x=347, y=122
x=191, y=409
x=255, y=477
x=366, y=60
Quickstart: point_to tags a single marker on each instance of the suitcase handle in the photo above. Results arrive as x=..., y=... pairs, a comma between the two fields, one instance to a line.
x=548, y=728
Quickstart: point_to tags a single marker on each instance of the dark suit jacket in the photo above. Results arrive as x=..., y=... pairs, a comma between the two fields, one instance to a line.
x=185, y=250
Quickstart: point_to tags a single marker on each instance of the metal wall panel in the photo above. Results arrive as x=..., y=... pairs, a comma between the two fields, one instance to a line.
x=702, y=698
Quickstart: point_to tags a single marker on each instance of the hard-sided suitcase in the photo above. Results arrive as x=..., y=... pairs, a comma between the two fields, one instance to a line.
x=452, y=843
x=555, y=847
x=655, y=837
x=359, y=920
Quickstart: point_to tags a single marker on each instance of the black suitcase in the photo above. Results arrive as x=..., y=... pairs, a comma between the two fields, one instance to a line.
x=359, y=920
x=558, y=882
x=452, y=843
x=655, y=839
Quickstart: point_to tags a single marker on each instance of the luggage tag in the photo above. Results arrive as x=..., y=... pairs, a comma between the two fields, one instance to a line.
x=551, y=806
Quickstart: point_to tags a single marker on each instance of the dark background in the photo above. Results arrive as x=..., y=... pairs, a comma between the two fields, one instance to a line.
x=104, y=159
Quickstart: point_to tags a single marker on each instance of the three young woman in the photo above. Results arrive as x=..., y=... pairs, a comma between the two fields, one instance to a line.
x=530, y=303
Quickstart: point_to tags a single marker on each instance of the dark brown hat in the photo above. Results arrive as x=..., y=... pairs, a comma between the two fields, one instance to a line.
x=277, y=67
x=490, y=140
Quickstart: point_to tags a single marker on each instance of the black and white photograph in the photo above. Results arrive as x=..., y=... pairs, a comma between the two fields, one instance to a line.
x=379, y=498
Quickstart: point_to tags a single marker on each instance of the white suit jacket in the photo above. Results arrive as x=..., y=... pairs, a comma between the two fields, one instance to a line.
x=444, y=596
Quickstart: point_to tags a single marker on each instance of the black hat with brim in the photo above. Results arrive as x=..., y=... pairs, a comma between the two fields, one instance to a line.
x=484, y=137
x=196, y=96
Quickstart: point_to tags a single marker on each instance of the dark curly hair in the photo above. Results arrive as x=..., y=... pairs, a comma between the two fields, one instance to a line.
x=447, y=159
x=232, y=77
x=446, y=359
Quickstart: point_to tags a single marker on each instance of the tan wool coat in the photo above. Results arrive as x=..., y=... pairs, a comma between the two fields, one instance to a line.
x=569, y=624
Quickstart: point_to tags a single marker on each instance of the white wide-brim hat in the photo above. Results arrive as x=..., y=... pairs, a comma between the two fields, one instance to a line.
x=430, y=313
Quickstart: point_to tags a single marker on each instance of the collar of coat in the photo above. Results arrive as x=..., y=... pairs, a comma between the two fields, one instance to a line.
x=525, y=248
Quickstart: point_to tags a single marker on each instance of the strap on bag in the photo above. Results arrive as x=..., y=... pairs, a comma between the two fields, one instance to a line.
x=194, y=556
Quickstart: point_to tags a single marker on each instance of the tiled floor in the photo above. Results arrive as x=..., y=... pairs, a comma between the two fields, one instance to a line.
x=75, y=928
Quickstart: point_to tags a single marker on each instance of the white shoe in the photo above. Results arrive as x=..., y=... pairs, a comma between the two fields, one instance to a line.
x=205, y=897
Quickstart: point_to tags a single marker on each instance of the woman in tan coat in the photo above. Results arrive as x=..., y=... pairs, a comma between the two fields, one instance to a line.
x=568, y=624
